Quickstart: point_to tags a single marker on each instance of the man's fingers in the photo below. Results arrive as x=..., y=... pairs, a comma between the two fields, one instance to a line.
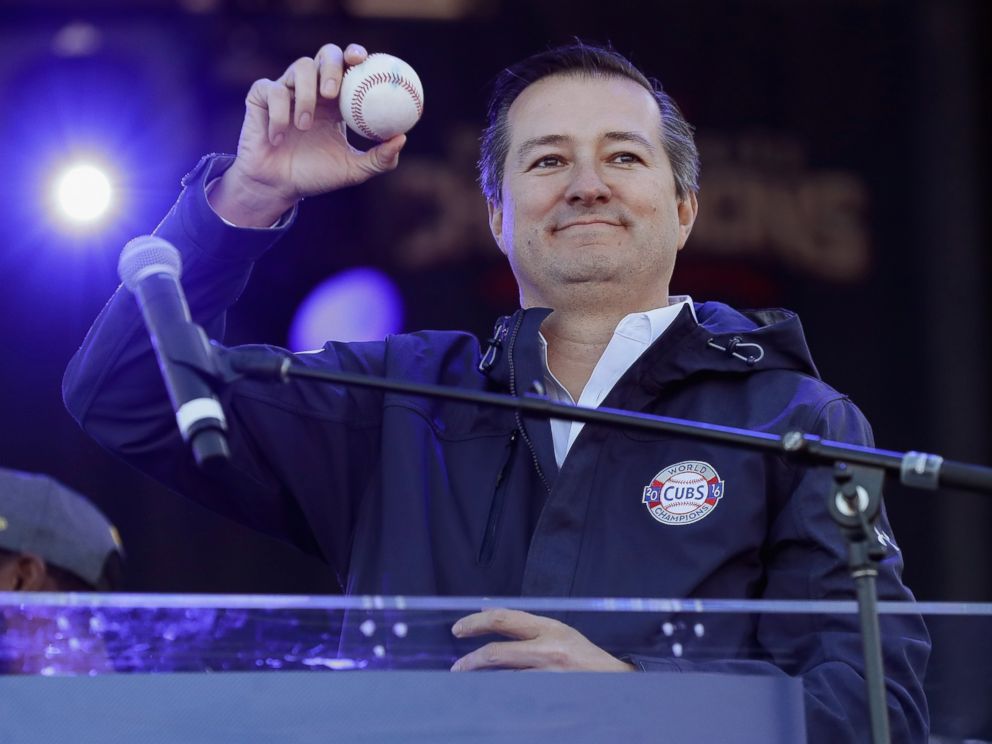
x=544, y=644
x=510, y=623
x=278, y=103
x=302, y=78
x=330, y=65
x=355, y=54
x=385, y=156
x=508, y=655
x=268, y=103
x=308, y=79
x=331, y=61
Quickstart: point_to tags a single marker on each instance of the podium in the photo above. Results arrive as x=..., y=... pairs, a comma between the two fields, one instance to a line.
x=407, y=706
x=114, y=668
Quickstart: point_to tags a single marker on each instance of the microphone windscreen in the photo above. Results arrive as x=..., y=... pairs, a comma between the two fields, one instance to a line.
x=147, y=255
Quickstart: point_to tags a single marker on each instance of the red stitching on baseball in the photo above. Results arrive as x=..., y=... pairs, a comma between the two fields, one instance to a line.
x=370, y=82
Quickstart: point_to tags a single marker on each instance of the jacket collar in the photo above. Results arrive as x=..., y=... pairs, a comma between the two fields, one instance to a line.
x=723, y=341
x=511, y=357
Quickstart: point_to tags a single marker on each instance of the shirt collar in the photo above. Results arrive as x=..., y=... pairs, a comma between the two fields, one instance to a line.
x=644, y=327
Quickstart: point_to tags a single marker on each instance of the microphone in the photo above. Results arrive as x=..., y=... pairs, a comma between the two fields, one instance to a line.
x=150, y=268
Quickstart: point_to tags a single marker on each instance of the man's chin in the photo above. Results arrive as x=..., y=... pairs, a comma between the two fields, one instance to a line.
x=587, y=275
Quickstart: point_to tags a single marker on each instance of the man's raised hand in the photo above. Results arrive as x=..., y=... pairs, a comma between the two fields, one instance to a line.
x=293, y=142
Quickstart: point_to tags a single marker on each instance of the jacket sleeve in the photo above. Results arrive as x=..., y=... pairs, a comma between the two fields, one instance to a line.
x=113, y=388
x=806, y=558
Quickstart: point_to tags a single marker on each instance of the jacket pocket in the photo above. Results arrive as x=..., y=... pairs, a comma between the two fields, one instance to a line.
x=496, y=508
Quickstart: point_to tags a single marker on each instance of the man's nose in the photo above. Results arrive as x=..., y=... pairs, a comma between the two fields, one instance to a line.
x=587, y=186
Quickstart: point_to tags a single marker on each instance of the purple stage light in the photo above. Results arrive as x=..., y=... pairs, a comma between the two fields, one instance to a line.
x=361, y=304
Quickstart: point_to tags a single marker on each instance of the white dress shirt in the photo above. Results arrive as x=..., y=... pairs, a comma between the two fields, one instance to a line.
x=632, y=336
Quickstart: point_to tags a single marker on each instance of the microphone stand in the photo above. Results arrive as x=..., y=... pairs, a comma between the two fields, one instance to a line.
x=854, y=502
x=915, y=469
x=855, y=505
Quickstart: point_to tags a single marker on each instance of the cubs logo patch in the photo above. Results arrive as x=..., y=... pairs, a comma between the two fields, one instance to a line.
x=683, y=493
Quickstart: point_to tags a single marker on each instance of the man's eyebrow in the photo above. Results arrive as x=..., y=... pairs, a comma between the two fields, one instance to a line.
x=640, y=139
x=557, y=139
x=535, y=142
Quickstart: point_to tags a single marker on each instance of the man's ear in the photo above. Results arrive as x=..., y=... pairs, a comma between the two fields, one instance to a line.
x=688, y=208
x=24, y=573
x=496, y=224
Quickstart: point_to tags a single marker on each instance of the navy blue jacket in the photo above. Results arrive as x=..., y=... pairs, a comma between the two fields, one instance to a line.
x=404, y=495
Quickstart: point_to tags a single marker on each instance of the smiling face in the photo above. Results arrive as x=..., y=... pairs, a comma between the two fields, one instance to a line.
x=589, y=213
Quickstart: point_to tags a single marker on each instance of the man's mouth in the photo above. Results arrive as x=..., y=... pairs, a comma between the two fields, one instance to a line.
x=588, y=222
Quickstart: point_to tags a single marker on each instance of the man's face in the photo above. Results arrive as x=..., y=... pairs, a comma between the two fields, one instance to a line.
x=589, y=212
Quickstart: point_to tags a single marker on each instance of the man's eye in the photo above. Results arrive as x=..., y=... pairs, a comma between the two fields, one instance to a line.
x=626, y=157
x=547, y=161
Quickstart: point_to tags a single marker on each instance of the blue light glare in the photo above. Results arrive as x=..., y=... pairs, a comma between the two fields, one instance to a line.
x=114, y=109
x=83, y=193
x=361, y=304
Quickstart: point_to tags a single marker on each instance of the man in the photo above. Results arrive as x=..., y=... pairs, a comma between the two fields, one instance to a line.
x=52, y=539
x=590, y=174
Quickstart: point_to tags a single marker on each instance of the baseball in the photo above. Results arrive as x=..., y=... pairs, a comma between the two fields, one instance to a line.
x=381, y=97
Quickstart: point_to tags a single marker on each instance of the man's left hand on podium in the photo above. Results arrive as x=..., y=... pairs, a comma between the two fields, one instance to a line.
x=539, y=643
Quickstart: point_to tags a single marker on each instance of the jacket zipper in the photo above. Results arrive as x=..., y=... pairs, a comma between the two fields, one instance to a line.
x=513, y=391
x=496, y=509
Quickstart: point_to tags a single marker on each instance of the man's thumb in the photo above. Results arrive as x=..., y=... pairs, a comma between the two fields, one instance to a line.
x=386, y=155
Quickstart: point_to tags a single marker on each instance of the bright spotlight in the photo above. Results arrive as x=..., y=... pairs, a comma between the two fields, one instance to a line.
x=83, y=193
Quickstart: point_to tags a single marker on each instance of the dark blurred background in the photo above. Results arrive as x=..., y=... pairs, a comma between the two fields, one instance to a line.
x=844, y=155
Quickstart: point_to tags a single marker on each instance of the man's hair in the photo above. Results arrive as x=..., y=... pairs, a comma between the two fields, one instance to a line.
x=585, y=60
